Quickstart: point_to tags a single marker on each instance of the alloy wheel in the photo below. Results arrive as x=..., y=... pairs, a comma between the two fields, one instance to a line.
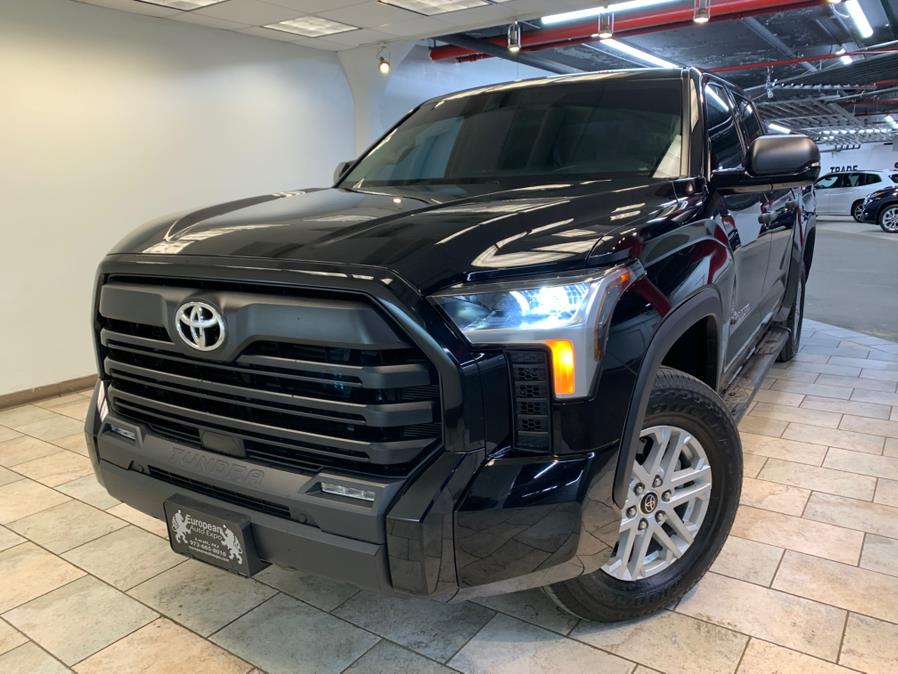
x=858, y=212
x=667, y=500
x=889, y=219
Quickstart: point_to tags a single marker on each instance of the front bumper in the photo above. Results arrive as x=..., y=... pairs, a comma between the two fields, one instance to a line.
x=462, y=527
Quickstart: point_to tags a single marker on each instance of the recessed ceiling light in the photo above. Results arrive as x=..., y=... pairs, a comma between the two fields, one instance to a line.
x=617, y=8
x=431, y=7
x=311, y=26
x=185, y=5
x=861, y=23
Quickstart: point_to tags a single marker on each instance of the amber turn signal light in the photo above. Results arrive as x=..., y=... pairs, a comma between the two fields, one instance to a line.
x=562, y=365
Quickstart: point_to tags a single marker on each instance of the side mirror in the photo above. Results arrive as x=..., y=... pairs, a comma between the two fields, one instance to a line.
x=341, y=170
x=773, y=162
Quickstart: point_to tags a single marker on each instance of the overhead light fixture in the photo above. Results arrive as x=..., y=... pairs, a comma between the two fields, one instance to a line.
x=606, y=25
x=861, y=24
x=184, y=5
x=638, y=54
x=617, y=8
x=431, y=7
x=514, y=37
x=383, y=60
x=891, y=121
x=843, y=57
x=311, y=26
x=779, y=128
x=834, y=2
x=701, y=12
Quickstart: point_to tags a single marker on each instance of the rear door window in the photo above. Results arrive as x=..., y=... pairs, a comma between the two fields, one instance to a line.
x=871, y=179
x=726, y=148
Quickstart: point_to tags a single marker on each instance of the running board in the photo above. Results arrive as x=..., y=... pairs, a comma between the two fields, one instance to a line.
x=739, y=394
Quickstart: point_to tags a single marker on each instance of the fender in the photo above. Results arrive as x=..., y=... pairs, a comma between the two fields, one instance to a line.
x=706, y=302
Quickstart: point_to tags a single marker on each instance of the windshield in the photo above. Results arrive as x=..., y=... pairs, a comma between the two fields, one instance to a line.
x=577, y=130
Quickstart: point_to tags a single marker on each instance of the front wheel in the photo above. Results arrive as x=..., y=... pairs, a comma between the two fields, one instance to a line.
x=682, y=498
x=857, y=211
x=888, y=219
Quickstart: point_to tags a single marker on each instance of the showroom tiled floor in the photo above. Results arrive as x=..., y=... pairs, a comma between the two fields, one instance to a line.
x=807, y=583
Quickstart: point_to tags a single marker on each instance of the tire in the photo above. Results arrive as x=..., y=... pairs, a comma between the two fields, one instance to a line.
x=795, y=319
x=888, y=219
x=684, y=403
x=857, y=211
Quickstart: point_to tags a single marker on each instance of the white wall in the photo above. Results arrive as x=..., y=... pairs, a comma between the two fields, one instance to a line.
x=869, y=156
x=108, y=119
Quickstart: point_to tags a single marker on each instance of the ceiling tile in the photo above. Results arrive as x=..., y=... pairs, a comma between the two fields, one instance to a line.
x=134, y=6
x=359, y=37
x=425, y=26
x=314, y=6
x=369, y=14
x=251, y=12
x=209, y=21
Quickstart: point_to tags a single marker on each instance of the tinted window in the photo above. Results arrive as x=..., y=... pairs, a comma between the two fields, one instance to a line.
x=827, y=181
x=586, y=129
x=854, y=179
x=726, y=149
x=748, y=117
x=894, y=177
x=871, y=179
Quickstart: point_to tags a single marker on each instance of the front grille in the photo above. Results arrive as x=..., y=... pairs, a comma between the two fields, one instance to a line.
x=262, y=505
x=372, y=408
x=530, y=390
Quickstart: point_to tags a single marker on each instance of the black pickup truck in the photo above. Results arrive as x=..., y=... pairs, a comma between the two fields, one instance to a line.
x=507, y=349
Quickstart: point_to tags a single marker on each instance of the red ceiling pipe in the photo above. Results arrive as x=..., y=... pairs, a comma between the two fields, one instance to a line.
x=799, y=59
x=663, y=20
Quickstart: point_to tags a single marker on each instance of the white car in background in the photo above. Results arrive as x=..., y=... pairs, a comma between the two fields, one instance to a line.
x=843, y=193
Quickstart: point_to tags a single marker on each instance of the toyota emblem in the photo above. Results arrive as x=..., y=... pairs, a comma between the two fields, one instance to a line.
x=200, y=326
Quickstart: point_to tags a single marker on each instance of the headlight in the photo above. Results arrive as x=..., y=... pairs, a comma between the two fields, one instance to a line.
x=567, y=314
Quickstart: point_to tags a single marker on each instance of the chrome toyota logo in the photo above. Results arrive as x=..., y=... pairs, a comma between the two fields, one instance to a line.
x=649, y=503
x=200, y=325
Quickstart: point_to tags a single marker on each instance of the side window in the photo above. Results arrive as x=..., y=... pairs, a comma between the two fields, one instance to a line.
x=871, y=179
x=748, y=118
x=726, y=149
x=826, y=182
x=855, y=179
x=894, y=177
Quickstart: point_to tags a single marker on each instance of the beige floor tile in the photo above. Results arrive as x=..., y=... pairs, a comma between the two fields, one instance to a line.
x=859, y=590
x=8, y=434
x=861, y=409
x=774, y=496
x=200, y=596
x=795, y=533
x=162, y=647
x=52, y=428
x=56, y=401
x=775, y=396
x=10, y=637
x=671, y=642
x=779, y=374
x=865, y=363
x=873, y=518
x=388, y=657
x=797, y=414
x=851, y=422
x=88, y=490
x=31, y=659
x=76, y=409
x=819, y=479
x=752, y=464
x=75, y=443
x=870, y=645
x=881, y=375
x=865, y=464
x=27, y=572
x=318, y=591
x=765, y=658
x=7, y=476
x=818, y=368
x=509, y=645
x=24, y=414
x=779, y=448
x=748, y=560
x=891, y=448
x=880, y=554
x=66, y=525
x=80, y=618
x=762, y=426
x=55, y=469
x=856, y=383
x=23, y=498
x=886, y=492
x=283, y=632
x=9, y=539
x=24, y=448
x=532, y=606
x=794, y=622
x=811, y=389
x=882, y=397
x=859, y=442
x=125, y=557
x=136, y=517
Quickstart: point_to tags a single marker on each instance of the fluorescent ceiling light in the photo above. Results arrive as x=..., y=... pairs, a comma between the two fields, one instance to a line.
x=185, y=5
x=624, y=6
x=779, y=128
x=843, y=57
x=864, y=29
x=638, y=53
x=891, y=121
x=431, y=7
x=311, y=26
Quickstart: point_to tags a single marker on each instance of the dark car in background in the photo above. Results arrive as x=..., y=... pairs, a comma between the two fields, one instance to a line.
x=881, y=208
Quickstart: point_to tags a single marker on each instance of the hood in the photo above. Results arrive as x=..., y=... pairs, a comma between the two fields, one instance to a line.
x=430, y=236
